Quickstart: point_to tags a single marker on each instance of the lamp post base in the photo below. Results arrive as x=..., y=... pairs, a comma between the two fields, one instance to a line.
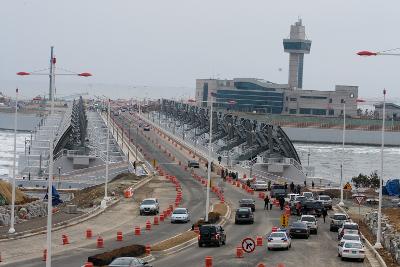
x=11, y=230
x=378, y=245
x=341, y=203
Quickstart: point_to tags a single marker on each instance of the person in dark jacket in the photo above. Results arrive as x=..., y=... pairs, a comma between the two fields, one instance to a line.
x=266, y=202
x=281, y=202
x=248, y=183
x=292, y=187
x=222, y=174
x=324, y=213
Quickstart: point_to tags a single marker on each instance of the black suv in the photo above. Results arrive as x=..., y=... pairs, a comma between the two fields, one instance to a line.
x=211, y=235
x=244, y=215
x=312, y=207
x=193, y=164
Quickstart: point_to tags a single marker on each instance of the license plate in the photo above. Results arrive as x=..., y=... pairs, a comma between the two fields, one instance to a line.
x=354, y=252
x=298, y=231
x=243, y=216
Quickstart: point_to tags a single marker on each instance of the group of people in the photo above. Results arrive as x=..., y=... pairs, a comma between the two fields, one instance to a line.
x=225, y=173
x=268, y=203
x=295, y=188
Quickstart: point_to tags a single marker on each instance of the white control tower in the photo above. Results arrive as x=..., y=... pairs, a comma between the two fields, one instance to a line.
x=296, y=46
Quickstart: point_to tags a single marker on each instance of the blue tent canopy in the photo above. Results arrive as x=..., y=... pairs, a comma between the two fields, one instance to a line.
x=392, y=187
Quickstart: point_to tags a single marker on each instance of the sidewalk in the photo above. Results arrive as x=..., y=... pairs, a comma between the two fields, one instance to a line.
x=121, y=217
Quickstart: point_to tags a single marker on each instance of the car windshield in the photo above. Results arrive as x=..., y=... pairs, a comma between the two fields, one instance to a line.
x=148, y=202
x=339, y=217
x=180, y=211
x=307, y=194
x=351, y=237
x=299, y=225
x=122, y=261
x=242, y=211
x=351, y=226
x=278, y=234
x=308, y=219
x=352, y=245
x=246, y=201
x=325, y=198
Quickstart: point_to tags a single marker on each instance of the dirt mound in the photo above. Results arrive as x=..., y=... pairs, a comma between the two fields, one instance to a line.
x=6, y=194
x=92, y=196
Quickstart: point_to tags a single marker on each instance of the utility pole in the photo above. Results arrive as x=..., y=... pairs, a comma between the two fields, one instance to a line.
x=12, y=229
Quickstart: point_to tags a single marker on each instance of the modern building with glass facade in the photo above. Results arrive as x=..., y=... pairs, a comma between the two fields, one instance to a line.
x=256, y=95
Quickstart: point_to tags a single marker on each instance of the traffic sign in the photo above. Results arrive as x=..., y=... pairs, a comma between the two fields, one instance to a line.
x=284, y=220
x=248, y=245
x=154, y=162
x=359, y=199
x=347, y=186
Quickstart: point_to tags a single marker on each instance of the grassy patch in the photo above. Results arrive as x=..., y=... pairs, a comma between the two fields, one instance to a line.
x=174, y=241
x=221, y=209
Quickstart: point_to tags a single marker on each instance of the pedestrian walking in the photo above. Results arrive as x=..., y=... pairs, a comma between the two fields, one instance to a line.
x=298, y=189
x=305, y=183
x=248, y=183
x=298, y=208
x=266, y=202
x=222, y=174
x=312, y=184
x=324, y=213
x=292, y=187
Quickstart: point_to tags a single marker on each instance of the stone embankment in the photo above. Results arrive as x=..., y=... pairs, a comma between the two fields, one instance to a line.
x=25, y=212
x=390, y=236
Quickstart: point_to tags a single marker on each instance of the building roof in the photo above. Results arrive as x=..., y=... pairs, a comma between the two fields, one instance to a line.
x=388, y=105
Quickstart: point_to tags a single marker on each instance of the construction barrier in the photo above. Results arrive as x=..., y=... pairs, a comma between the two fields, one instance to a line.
x=209, y=261
x=161, y=217
x=148, y=225
x=89, y=233
x=119, y=236
x=196, y=229
x=155, y=222
x=100, y=242
x=137, y=230
x=89, y=264
x=44, y=255
x=65, y=240
x=128, y=193
x=148, y=250
x=274, y=229
x=261, y=265
x=259, y=241
x=239, y=252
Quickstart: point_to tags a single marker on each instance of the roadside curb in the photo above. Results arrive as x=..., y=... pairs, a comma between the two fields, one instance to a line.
x=369, y=246
x=87, y=216
x=192, y=241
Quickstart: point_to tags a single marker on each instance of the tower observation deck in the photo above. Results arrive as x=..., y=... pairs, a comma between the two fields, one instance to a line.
x=296, y=46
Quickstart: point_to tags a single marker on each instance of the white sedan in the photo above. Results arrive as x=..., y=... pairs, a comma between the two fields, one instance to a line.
x=350, y=237
x=311, y=222
x=352, y=250
x=180, y=215
x=259, y=185
x=279, y=240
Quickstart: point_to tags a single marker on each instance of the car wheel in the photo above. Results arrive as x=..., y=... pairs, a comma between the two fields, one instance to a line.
x=331, y=229
x=236, y=222
x=338, y=254
x=342, y=258
x=362, y=260
x=224, y=242
x=219, y=243
x=316, y=231
x=307, y=236
x=269, y=248
x=200, y=245
x=141, y=213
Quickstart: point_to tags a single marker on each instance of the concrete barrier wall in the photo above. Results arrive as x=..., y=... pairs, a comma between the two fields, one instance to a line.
x=334, y=136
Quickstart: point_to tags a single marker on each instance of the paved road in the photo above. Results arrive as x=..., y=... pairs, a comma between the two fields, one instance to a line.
x=193, y=197
x=319, y=250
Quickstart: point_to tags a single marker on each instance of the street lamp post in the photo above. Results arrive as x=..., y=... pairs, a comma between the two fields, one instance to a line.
x=209, y=152
x=379, y=230
x=59, y=177
x=341, y=203
x=51, y=75
x=104, y=201
x=12, y=229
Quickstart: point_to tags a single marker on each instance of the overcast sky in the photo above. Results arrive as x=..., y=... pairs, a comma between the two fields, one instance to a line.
x=158, y=48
